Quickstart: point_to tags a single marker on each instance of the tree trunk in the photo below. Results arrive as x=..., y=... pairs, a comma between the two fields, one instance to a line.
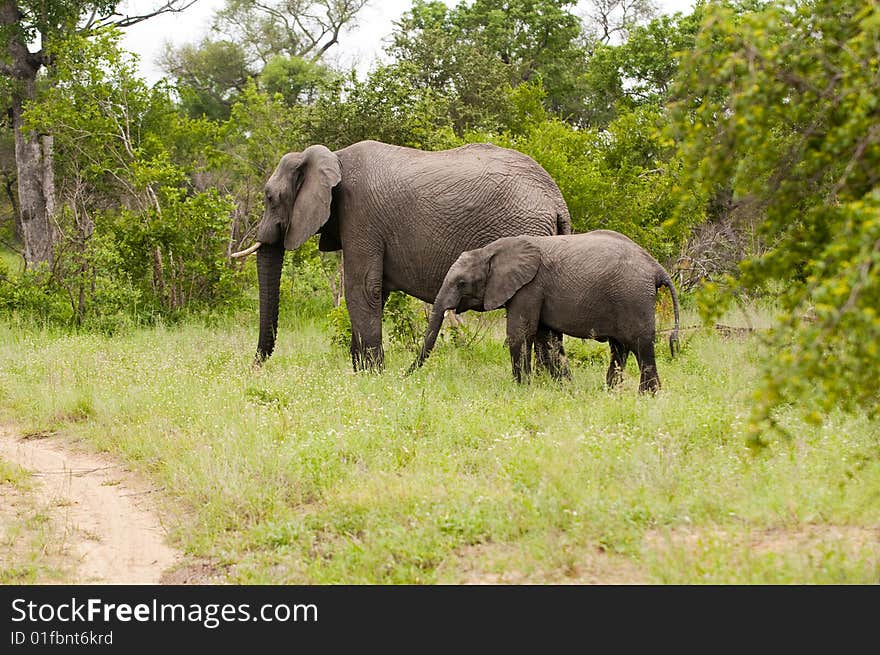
x=36, y=191
x=33, y=153
x=9, y=182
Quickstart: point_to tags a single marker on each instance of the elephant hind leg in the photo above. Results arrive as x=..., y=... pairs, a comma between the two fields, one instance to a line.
x=649, y=380
x=549, y=353
x=619, y=355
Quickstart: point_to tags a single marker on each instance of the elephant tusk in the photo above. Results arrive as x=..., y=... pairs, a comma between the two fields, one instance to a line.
x=248, y=251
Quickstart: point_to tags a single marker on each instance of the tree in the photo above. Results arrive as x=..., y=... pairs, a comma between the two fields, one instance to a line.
x=210, y=75
x=295, y=28
x=295, y=79
x=474, y=53
x=280, y=44
x=11, y=229
x=612, y=20
x=638, y=70
x=779, y=104
x=134, y=228
x=384, y=107
x=23, y=23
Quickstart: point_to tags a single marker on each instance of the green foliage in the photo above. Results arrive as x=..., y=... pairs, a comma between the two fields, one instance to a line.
x=260, y=130
x=473, y=53
x=29, y=298
x=177, y=256
x=340, y=325
x=407, y=319
x=772, y=124
x=640, y=70
x=51, y=20
x=650, y=56
x=137, y=239
x=470, y=332
x=384, y=107
x=208, y=76
x=297, y=80
x=278, y=45
x=779, y=105
x=314, y=279
x=586, y=353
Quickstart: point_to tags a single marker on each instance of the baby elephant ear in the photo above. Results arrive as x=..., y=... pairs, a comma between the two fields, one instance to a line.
x=320, y=172
x=514, y=264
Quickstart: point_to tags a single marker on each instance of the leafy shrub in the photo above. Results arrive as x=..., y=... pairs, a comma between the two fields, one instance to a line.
x=34, y=297
x=407, y=320
x=587, y=353
x=340, y=325
x=404, y=317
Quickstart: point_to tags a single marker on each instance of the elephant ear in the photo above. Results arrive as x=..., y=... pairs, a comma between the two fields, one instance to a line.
x=320, y=172
x=513, y=264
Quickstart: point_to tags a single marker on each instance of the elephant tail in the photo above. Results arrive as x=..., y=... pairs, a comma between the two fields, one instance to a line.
x=563, y=219
x=665, y=281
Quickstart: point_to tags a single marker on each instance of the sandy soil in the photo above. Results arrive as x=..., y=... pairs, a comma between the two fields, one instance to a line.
x=104, y=512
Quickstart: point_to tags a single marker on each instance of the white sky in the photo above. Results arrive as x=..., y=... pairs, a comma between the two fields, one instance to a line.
x=362, y=46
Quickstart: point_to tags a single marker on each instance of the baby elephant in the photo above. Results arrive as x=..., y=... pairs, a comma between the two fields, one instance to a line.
x=599, y=285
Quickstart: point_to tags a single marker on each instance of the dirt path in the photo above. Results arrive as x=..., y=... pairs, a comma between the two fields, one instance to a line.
x=103, y=512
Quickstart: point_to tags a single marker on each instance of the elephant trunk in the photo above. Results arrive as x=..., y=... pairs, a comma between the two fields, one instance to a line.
x=433, y=330
x=270, y=259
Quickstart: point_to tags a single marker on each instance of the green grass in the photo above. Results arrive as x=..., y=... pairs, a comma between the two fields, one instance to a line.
x=12, y=474
x=303, y=472
x=9, y=260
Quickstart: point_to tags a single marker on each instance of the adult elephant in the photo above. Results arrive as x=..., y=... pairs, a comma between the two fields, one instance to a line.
x=401, y=217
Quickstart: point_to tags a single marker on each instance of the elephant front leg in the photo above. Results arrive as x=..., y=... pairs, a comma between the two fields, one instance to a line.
x=364, y=302
x=550, y=355
x=520, y=357
x=366, y=351
x=522, y=325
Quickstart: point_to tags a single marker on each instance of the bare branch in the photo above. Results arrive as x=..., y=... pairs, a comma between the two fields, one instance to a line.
x=613, y=17
x=118, y=20
x=302, y=28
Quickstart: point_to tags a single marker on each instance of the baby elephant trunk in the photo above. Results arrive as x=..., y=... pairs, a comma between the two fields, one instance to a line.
x=430, y=336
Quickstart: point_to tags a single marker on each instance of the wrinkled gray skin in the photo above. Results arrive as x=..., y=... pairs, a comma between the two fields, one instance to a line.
x=401, y=218
x=598, y=285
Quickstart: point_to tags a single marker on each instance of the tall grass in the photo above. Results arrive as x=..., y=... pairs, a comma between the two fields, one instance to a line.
x=302, y=471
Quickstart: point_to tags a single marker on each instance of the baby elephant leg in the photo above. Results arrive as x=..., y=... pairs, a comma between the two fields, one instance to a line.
x=519, y=341
x=549, y=354
x=523, y=312
x=619, y=355
x=649, y=380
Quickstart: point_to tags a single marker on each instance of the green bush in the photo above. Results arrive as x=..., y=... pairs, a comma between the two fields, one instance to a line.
x=33, y=297
x=340, y=325
x=406, y=319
